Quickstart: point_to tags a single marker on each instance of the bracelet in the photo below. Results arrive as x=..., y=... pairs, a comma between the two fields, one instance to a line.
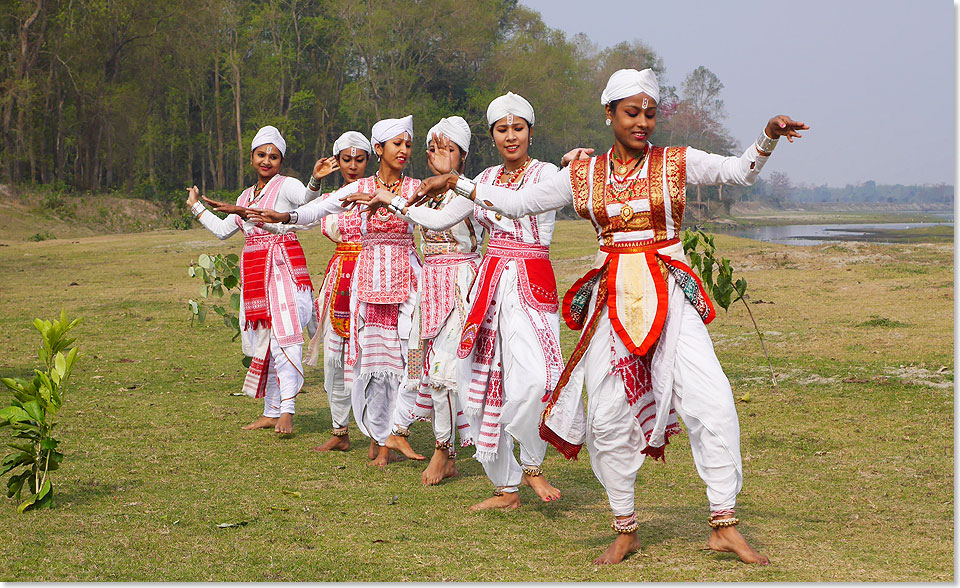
x=398, y=204
x=627, y=525
x=313, y=184
x=765, y=144
x=340, y=432
x=294, y=217
x=197, y=209
x=465, y=188
x=400, y=432
x=444, y=444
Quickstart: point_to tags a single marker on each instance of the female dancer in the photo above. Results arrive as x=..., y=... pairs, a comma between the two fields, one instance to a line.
x=383, y=287
x=450, y=261
x=511, y=336
x=352, y=152
x=647, y=317
x=276, y=296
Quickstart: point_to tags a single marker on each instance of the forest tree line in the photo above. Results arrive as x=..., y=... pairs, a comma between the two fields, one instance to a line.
x=148, y=97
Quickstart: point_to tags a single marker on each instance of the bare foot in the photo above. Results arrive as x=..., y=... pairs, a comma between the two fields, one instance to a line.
x=261, y=423
x=441, y=466
x=401, y=445
x=729, y=539
x=384, y=457
x=544, y=490
x=373, y=450
x=622, y=546
x=509, y=500
x=335, y=443
x=284, y=424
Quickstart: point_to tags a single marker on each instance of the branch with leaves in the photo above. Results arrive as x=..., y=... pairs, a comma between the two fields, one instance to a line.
x=717, y=277
x=221, y=277
x=32, y=415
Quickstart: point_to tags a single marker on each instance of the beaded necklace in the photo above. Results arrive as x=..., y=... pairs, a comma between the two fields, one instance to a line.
x=514, y=176
x=394, y=188
x=257, y=193
x=619, y=182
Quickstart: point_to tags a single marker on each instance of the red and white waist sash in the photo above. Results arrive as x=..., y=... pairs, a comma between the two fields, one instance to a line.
x=274, y=267
x=536, y=282
x=336, y=294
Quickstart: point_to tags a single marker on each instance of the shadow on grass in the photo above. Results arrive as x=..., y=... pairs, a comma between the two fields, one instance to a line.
x=80, y=492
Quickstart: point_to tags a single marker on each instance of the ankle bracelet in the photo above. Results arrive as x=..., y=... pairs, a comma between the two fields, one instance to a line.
x=401, y=432
x=340, y=432
x=444, y=444
x=717, y=523
x=627, y=525
x=532, y=471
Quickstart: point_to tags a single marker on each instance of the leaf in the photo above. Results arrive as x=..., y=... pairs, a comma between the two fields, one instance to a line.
x=231, y=259
x=26, y=504
x=293, y=493
x=49, y=443
x=235, y=301
x=24, y=447
x=232, y=525
x=246, y=361
x=33, y=409
x=14, y=414
x=191, y=272
x=744, y=398
x=279, y=508
x=193, y=307
x=205, y=262
x=15, y=483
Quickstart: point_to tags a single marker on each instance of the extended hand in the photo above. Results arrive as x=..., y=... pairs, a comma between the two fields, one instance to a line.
x=784, y=126
x=433, y=186
x=193, y=196
x=227, y=207
x=267, y=215
x=379, y=199
x=324, y=167
x=574, y=154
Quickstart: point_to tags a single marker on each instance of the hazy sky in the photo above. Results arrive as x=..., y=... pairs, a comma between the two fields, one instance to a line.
x=875, y=79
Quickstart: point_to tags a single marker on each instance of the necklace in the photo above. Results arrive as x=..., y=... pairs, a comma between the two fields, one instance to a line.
x=514, y=176
x=621, y=167
x=257, y=193
x=393, y=187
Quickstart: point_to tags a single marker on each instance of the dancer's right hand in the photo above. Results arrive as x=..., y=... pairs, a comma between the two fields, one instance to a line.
x=267, y=215
x=227, y=207
x=324, y=167
x=433, y=186
x=193, y=196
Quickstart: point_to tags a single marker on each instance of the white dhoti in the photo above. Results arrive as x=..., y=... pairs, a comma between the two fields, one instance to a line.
x=524, y=384
x=701, y=397
x=285, y=368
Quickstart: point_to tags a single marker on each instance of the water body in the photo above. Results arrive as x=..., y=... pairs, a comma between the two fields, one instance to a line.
x=820, y=234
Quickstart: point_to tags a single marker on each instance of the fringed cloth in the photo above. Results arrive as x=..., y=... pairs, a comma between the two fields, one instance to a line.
x=632, y=282
x=334, y=303
x=480, y=339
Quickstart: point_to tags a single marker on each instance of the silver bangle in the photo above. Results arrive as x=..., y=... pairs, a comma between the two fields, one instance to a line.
x=197, y=209
x=464, y=187
x=313, y=184
x=294, y=217
x=397, y=204
x=765, y=143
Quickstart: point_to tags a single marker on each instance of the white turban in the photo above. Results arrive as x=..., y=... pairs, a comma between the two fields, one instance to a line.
x=509, y=103
x=389, y=128
x=350, y=139
x=269, y=134
x=630, y=82
x=454, y=128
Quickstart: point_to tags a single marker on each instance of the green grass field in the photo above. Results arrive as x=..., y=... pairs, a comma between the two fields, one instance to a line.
x=848, y=464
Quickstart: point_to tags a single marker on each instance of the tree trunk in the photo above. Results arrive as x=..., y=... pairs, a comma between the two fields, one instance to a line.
x=236, y=101
x=221, y=176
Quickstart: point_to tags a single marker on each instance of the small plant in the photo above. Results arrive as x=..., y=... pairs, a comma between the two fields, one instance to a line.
x=220, y=274
x=32, y=415
x=717, y=277
x=882, y=321
x=40, y=236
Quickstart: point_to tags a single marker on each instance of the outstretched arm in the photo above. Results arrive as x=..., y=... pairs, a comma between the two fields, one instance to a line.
x=549, y=194
x=309, y=213
x=431, y=218
x=221, y=228
x=712, y=169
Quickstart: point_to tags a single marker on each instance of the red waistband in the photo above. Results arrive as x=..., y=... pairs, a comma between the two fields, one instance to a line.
x=405, y=239
x=266, y=239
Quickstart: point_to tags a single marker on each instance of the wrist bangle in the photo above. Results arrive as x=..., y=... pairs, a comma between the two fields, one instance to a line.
x=465, y=188
x=397, y=204
x=313, y=184
x=197, y=209
x=766, y=144
x=294, y=217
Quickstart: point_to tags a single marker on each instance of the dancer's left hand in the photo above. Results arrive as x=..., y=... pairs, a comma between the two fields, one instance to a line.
x=784, y=126
x=267, y=215
x=441, y=159
x=433, y=186
x=228, y=208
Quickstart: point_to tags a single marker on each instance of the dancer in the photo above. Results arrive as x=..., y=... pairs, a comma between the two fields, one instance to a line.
x=383, y=287
x=276, y=294
x=450, y=261
x=644, y=354
x=352, y=152
x=511, y=337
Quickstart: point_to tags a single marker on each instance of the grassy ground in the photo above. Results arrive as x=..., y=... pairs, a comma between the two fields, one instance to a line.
x=848, y=464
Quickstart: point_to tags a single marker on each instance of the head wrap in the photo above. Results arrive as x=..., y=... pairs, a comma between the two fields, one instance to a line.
x=454, y=128
x=389, y=128
x=509, y=103
x=350, y=139
x=269, y=134
x=629, y=82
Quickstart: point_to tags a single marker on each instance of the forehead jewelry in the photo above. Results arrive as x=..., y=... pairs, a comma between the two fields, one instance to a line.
x=353, y=151
x=509, y=118
x=645, y=102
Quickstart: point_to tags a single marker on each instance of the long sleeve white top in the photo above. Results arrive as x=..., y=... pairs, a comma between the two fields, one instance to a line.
x=292, y=195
